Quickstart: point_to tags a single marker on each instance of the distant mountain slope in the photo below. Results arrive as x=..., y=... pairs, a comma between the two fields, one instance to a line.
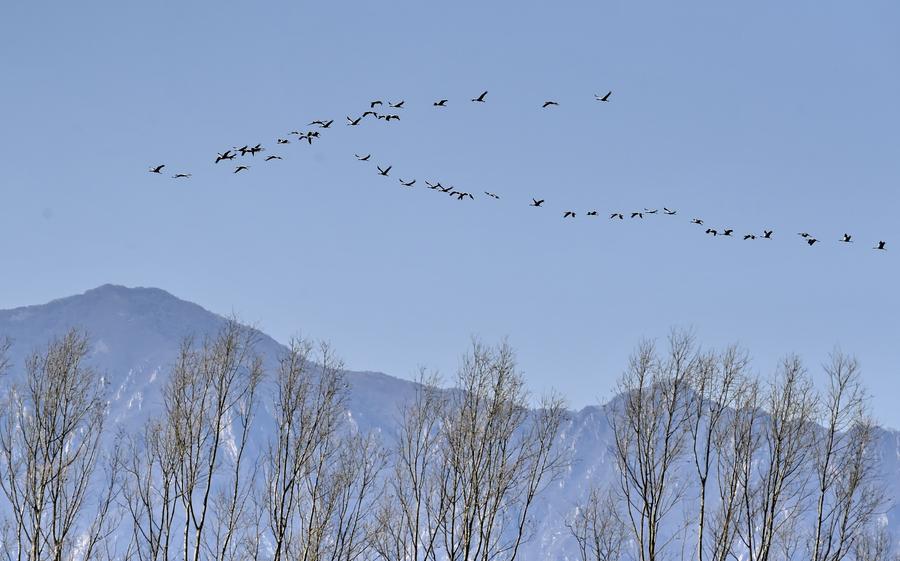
x=136, y=332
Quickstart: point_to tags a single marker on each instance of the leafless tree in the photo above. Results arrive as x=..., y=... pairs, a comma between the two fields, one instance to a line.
x=875, y=544
x=846, y=492
x=51, y=431
x=598, y=529
x=649, y=425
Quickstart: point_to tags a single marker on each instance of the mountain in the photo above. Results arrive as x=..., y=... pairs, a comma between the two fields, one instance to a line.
x=136, y=333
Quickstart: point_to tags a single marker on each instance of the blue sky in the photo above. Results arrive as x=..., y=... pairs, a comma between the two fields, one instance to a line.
x=780, y=115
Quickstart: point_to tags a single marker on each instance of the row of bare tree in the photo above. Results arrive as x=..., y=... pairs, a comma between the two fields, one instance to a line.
x=459, y=478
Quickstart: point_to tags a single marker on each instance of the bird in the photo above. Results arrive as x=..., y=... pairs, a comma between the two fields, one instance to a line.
x=846, y=239
x=273, y=157
x=592, y=213
x=398, y=105
x=408, y=183
x=363, y=158
x=367, y=113
x=492, y=195
x=605, y=97
x=711, y=231
x=537, y=202
x=443, y=189
x=384, y=171
x=767, y=234
x=460, y=195
x=618, y=215
x=227, y=155
x=316, y=122
x=433, y=185
x=548, y=104
x=670, y=212
x=649, y=211
x=480, y=99
x=372, y=104
x=568, y=214
x=326, y=124
x=750, y=237
x=181, y=176
x=241, y=168
x=637, y=215
x=255, y=149
x=440, y=103
x=727, y=232
x=283, y=141
x=388, y=118
x=157, y=169
x=880, y=246
x=353, y=122
x=810, y=240
x=697, y=221
x=803, y=234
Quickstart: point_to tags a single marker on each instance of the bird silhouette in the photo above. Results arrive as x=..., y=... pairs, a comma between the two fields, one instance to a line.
x=697, y=221
x=880, y=246
x=604, y=98
x=637, y=215
x=326, y=124
x=670, y=212
x=181, y=176
x=398, y=105
x=651, y=211
x=592, y=213
x=492, y=195
x=810, y=240
x=367, y=113
x=273, y=157
x=255, y=149
x=384, y=171
x=440, y=103
x=433, y=185
x=727, y=232
x=618, y=215
x=711, y=231
x=480, y=98
x=846, y=239
x=446, y=189
x=283, y=141
x=803, y=234
x=225, y=156
x=750, y=237
x=363, y=158
x=157, y=169
x=353, y=122
x=374, y=103
x=568, y=214
x=460, y=195
x=537, y=202
x=767, y=234
x=548, y=104
x=408, y=183
x=241, y=168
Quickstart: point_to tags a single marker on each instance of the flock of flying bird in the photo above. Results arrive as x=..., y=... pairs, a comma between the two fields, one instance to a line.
x=309, y=136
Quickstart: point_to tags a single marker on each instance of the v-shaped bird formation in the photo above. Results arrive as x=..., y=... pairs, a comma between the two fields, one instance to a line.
x=384, y=170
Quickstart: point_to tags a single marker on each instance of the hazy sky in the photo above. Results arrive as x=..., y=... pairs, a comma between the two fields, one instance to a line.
x=781, y=115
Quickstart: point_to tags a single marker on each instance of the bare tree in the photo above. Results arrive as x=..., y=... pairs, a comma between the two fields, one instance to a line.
x=51, y=430
x=649, y=426
x=598, y=529
x=774, y=474
x=845, y=481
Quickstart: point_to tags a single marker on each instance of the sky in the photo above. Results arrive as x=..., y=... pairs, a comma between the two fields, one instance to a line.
x=775, y=115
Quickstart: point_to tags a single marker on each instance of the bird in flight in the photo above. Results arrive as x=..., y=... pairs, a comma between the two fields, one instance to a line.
x=441, y=103
x=255, y=149
x=384, y=171
x=443, y=189
x=880, y=246
x=846, y=239
x=326, y=124
x=568, y=214
x=712, y=232
x=460, y=195
x=670, y=212
x=372, y=113
x=480, y=98
x=181, y=176
x=226, y=156
x=767, y=234
x=548, y=104
x=637, y=215
x=492, y=195
x=408, y=183
x=750, y=237
x=273, y=157
x=433, y=185
x=604, y=98
x=157, y=169
x=398, y=105
x=803, y=235
x=283, y=141
x=363, y=158
x=592, y=213
x=241, y=168
x=651, y=211
x=536, y=202
x=618, y=215
x=697, y=221
x=374, y=103
x=353, y=122
x=810, y=240
x=727, y=232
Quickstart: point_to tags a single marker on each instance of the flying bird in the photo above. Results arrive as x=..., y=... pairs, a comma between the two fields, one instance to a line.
x=367, y=113
x=711, y=231
x=604, y=98
x=492, y=195
x=157, y=169
x=433, y=185
x=536, y=202
x=548, y=104
x=283, y=141
x=353, y=122
x=363, y=158
x=441, y=103
x=811, y=240
x=241, y=168
x=443, y=189
x=803, y=235
x=750, y=237
x=728, y=232
x=697, y=221
x=181, y=176
x=568, y=214
x=384, y=171
x=592, y=213
x=374, y=103
x=618, y=215
x=273, y=157
x=880, y=246
x=480, y=98
x=637, y=215
x=408, y=183
x=226, y=156
x=846, y=239
x=767, y=234
x=326, y=124
x=670, y=212
x=398, y=105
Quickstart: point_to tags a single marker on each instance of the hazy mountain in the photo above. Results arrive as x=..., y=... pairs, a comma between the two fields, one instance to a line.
x=136, y=332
